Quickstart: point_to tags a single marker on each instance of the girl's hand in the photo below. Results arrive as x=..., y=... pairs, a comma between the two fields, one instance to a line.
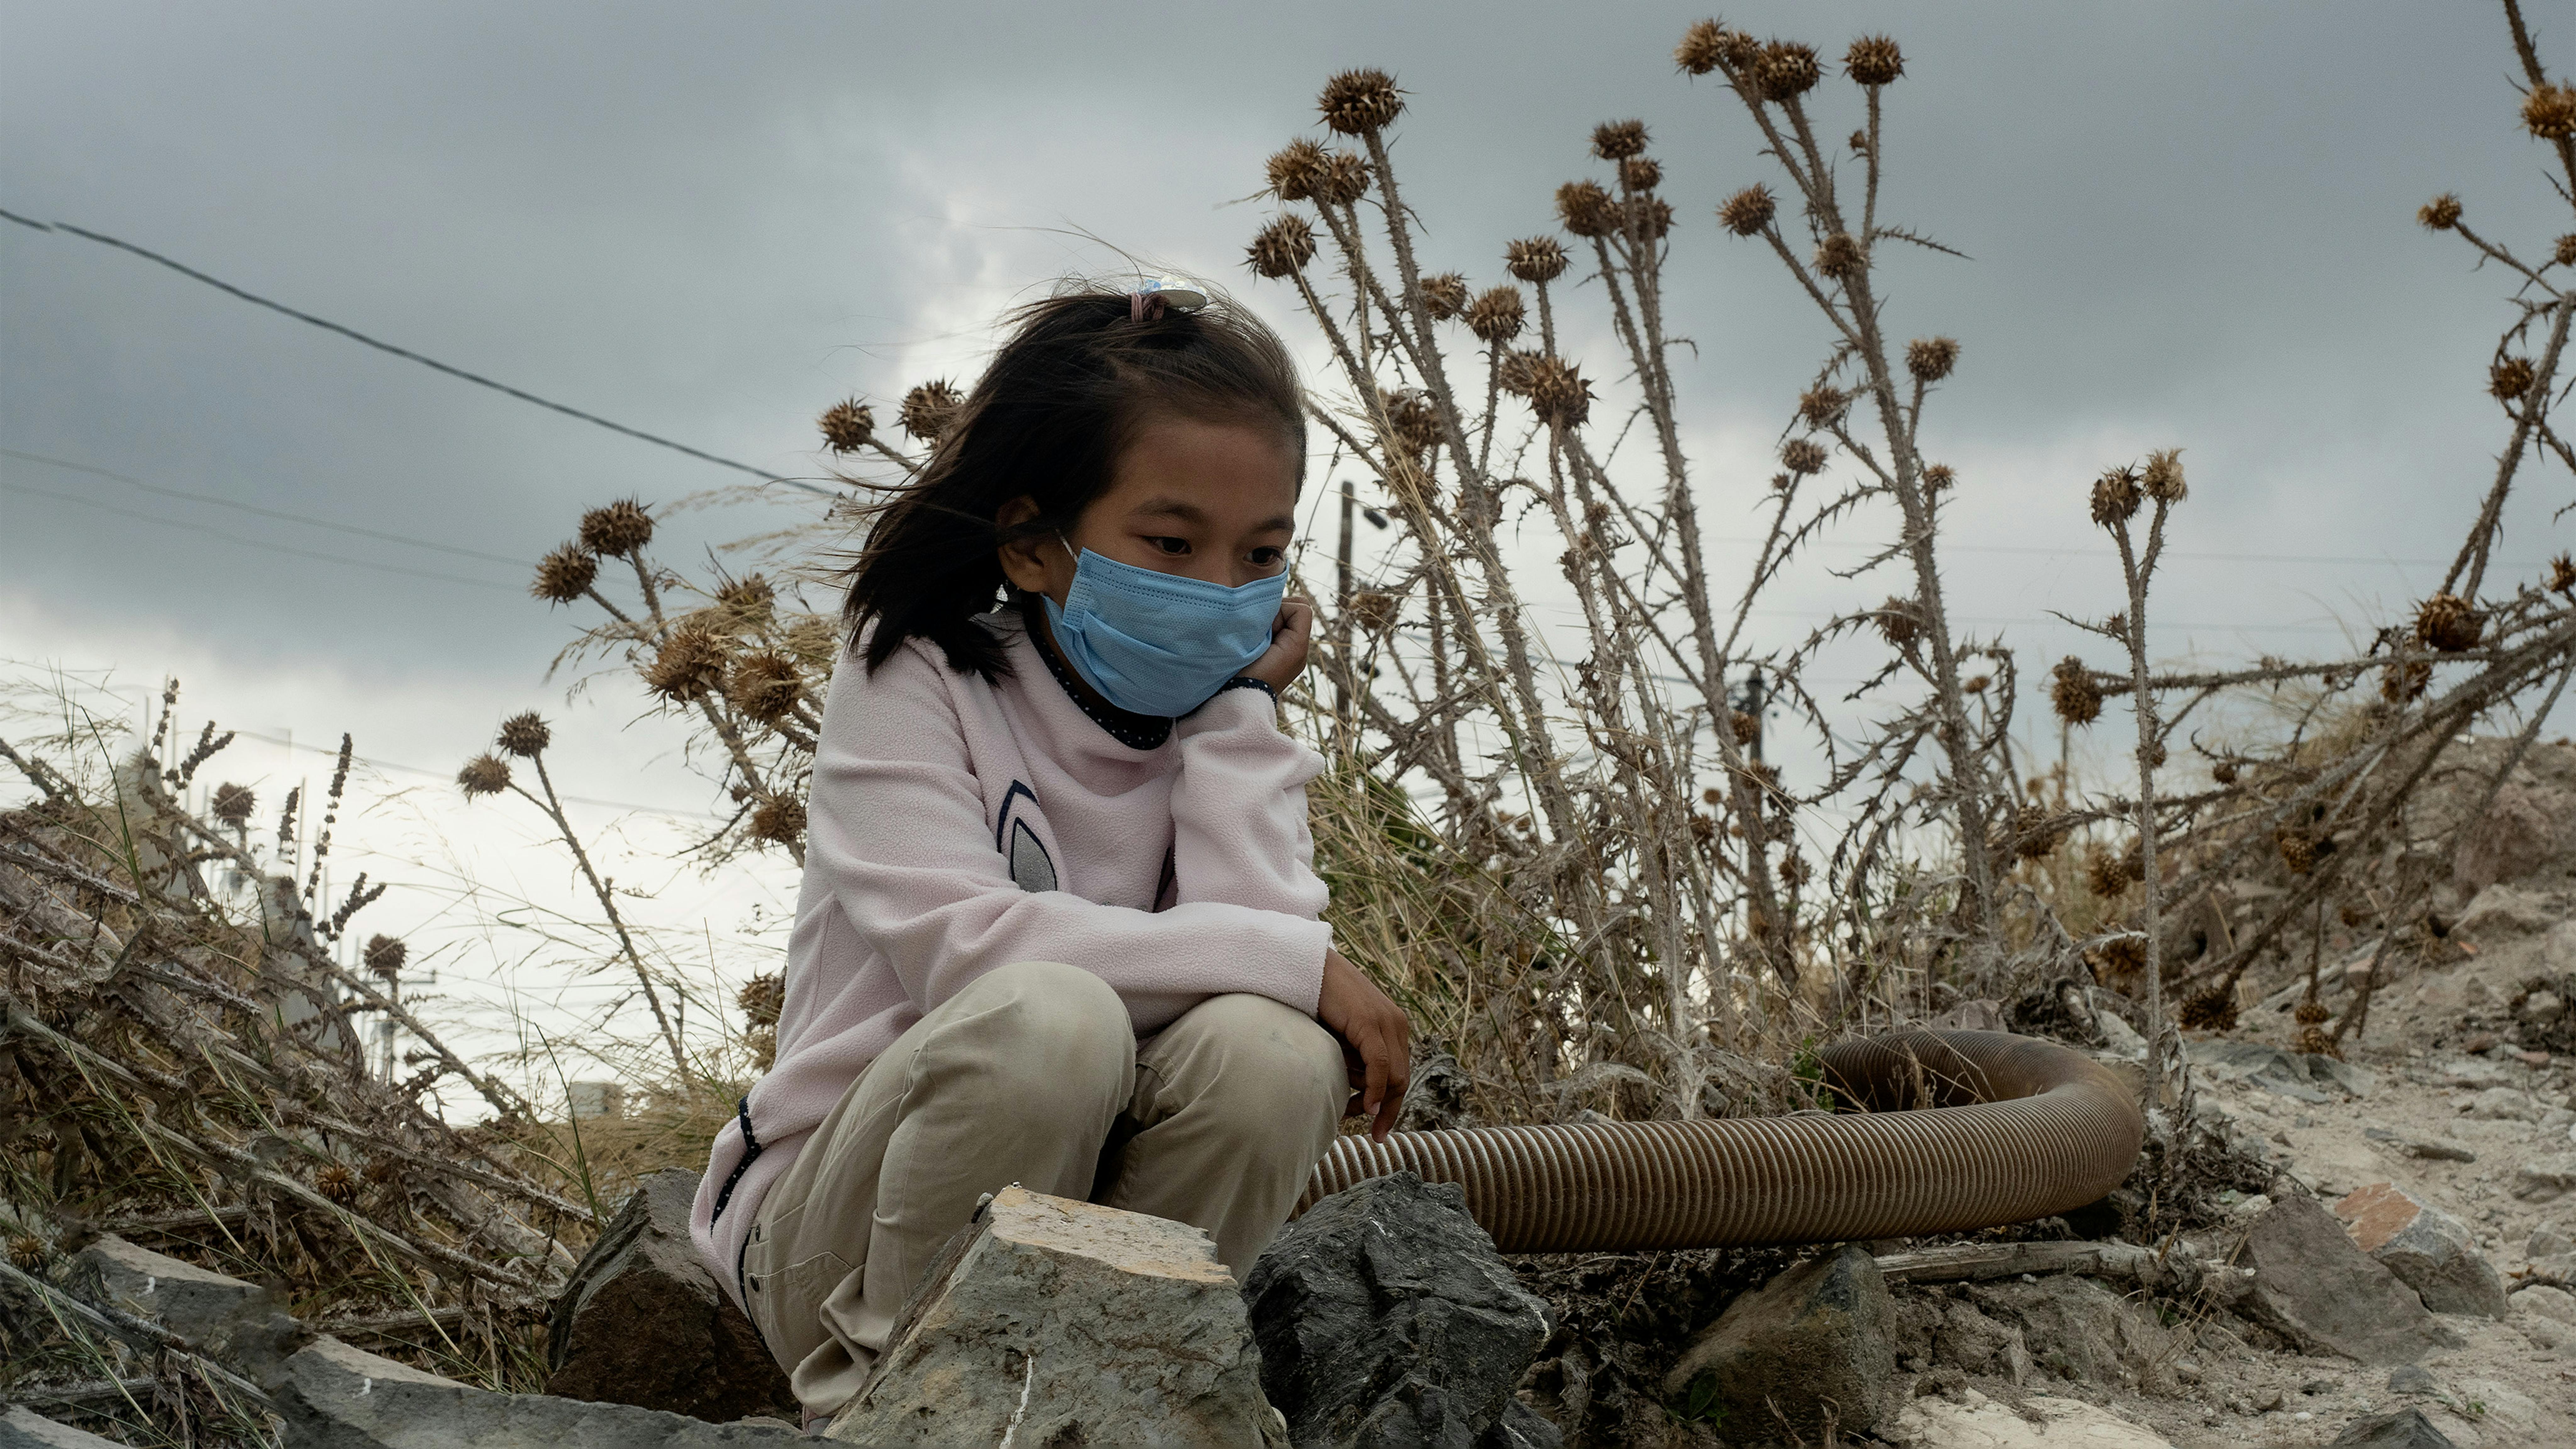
x=1377, y=1040
x=1285, y=659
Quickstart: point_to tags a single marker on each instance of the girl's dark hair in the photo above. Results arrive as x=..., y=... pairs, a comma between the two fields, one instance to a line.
x=1048, y=420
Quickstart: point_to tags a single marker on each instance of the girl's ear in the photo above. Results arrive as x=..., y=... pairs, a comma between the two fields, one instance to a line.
x=1020, y=561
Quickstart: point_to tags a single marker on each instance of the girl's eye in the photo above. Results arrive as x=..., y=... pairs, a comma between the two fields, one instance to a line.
x=1172, y=546
x=1267, y=557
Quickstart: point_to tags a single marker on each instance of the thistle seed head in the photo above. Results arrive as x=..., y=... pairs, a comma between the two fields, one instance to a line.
x=617, y=530
x=2508, y=380
x=1357, y=102
x=1640, y=173
x=749, y=599
x=1931, y=359
x=525, y=735
x=2035, y=834
x=1282, y=249
x=1496, y=316
x=1619, y=140
x=2210, y=1010
x=2314, y=1041
x=2073, y=692
x=765, y=686
x=385, y=955
x=1840, y=257
x=779, y=820
x=1558, y=393
x=2224, y=772
x=1373, y=610
x=483, y=775
x=2445, y=622
x=1748, y=211
x=1515, y=369
x=2562, y=578
x=1899, y=621
x=1939, y=476
x=1823, y=405
x=1977, y=683
x=2104, y=875
x=2124, y=957
x=2441, y=213
x=233, y=804
x=1858, y=141
x=1345, y=179
x=336, y=1182
x=2115, y=496
x=690, y=662
x=1747, y=730
x=2162, y=478
x=1296, y=170
x=761, y=998
x=1535, y=259
x=1874, y=60
x=1444, y=296
x=1412, y=419
x=847, y=425
x=2565, y=252
x=2309, y=1013
x=2298, y=849
x=931, y=409
x=565, y=574
x=1586, y=209
x=1786, y=70
x=1652, y=216
x=2549, y=112
x=28, y=1252
x=1802, y=456
x=1703, y=46
x=1738, y=51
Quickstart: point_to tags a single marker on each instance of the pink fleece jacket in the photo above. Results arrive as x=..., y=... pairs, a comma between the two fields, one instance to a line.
x=957, y=825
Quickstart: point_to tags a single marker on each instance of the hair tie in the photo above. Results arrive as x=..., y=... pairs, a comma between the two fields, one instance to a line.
x=1156, y=294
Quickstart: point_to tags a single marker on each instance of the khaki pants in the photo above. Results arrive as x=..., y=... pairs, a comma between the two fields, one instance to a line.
x=1033, y=1075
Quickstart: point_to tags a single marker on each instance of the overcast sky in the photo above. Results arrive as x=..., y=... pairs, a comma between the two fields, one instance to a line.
x=2189, y=225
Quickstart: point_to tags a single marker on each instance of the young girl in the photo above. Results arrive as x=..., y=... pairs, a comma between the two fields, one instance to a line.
x=1059, y=918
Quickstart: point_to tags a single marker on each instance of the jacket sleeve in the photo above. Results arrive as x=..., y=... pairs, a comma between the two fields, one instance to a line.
x=896, y=832
x=1239, y=831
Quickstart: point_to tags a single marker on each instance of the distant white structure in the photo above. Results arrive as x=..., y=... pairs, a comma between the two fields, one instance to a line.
x=598, y=1099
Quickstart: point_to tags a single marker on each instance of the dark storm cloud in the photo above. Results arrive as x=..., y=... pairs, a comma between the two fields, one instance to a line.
x=2189, y=224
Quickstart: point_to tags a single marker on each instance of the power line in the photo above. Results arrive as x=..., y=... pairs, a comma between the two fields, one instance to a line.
x=406, y=353
x=262, y=512
x=450, y=775
x=355, y=563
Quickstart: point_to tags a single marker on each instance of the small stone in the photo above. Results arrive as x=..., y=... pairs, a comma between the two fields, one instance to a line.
x=2429, y=1250
x=1050, y=1321
x=333, y=1395
x=2314, y=1387
x=225, y=1317
x=2548, y=1242
x=2548, y=1302
x=2268, y=1403
x=2502, y=1104
x=2313, y=1286
x=2405, y=1429
x=24, y=1428
x=2411, y=1378
x=1384, y=1316
x=2502, y=912
x=2545, y=1179
x=1810, y=1346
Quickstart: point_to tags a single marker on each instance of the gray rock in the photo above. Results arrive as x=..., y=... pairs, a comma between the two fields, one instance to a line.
x=2412, y=1378
x=333, y=1396
x=1807, y=1348
x=2545, y=1179
x=2524, y=828
x=2501, y=912
x=1052, y=1322
x=24, y=1428
x=2405, y=1429
x=2315, y=1080
x=2075, y=1328
x=221, y=1317
x=2503, y=1104
x=640, y=1321
x=2429, y=1250
x=1385, y=1317
x=2316, y=1288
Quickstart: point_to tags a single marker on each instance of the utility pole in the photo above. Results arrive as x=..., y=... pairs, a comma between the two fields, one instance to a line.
x=1342, y=611
x=1752, y=703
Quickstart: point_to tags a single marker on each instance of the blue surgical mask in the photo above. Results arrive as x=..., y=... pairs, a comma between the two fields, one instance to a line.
x=1156, y=643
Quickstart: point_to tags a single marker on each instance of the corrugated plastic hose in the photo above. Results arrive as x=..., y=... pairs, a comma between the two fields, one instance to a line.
x=1939, y=1131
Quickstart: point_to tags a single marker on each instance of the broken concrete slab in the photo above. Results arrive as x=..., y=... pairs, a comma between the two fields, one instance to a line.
x=2315, y=1287
x=1050, y=1321
x=640, y=1321
x=24, y=1428
x=1385, y=1316
x=223, y=1317
x=2429, y=1250
x=333, y=1396
x=2313, y=1079
x=1807, y=1349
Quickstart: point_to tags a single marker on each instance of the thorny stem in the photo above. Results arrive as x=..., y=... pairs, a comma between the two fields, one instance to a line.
x=607, y=902
x=2535, y=400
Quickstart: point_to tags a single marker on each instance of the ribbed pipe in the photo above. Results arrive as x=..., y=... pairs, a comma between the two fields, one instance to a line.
x=1939, y=1132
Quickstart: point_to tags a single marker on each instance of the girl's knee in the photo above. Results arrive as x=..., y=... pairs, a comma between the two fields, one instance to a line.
x=1047, y=1029
x=1270, y=1061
